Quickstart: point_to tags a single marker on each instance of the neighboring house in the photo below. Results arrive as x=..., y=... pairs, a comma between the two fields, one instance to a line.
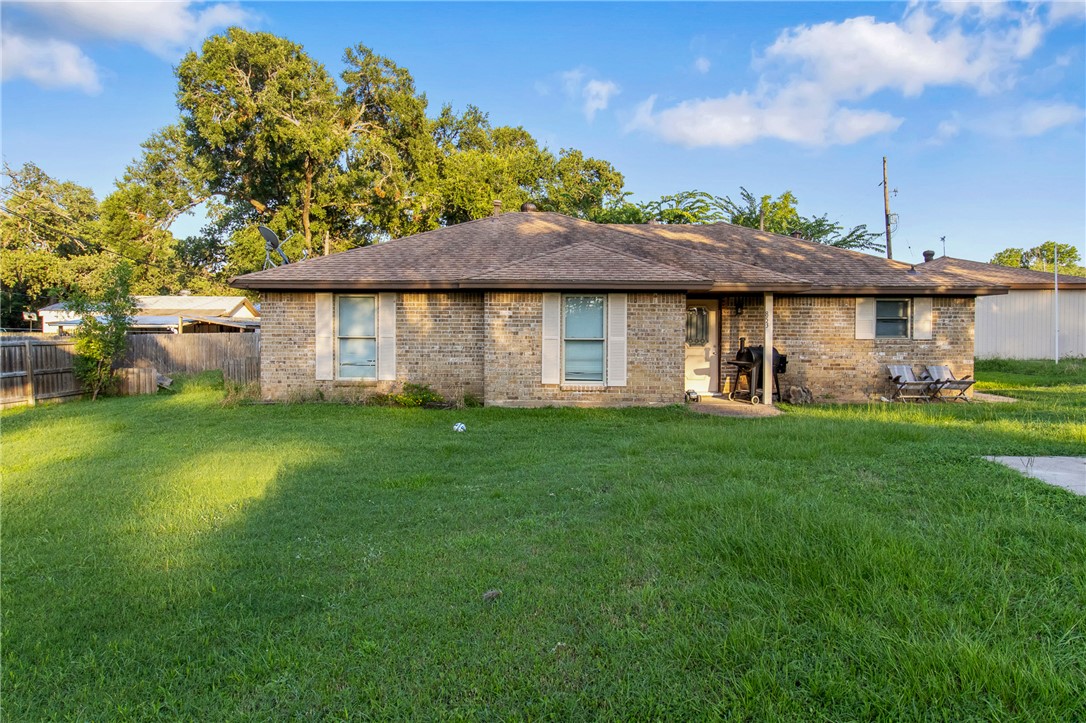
x=1022, y=324
x=171, y=315
x=528, y=309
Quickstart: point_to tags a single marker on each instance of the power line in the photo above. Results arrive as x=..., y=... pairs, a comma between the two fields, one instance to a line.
x=84, y=244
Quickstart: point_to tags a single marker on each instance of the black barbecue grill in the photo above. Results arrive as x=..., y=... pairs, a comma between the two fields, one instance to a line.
x=748, y=373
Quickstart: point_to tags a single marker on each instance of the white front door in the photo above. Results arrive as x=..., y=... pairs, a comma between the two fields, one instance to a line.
x=703, y=345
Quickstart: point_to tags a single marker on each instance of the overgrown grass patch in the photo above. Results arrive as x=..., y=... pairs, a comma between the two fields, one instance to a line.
x=173, y=557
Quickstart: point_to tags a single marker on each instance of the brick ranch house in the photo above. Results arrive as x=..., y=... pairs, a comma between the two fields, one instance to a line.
x=533, y=308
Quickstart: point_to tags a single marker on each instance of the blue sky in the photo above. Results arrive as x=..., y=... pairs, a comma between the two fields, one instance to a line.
x=978, y=106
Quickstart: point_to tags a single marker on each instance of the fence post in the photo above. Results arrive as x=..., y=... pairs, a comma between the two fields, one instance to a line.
x=29, y=366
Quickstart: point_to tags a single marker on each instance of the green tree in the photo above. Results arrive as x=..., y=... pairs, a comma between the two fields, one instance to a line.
x=102, y=336
x=781, y=216
x=265, y=120
x=579, y=186
x=1043, y=257
x=1014, y=257
x=49, y=239
x=775, y=216
x=687, y=207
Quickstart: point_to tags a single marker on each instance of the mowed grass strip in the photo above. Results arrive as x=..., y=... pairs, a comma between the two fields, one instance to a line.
x=176, y=557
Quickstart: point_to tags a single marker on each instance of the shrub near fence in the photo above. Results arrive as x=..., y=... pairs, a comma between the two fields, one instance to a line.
x=34, y=370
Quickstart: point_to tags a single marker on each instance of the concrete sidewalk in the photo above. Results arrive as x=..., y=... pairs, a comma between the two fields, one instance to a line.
x=1066, y=472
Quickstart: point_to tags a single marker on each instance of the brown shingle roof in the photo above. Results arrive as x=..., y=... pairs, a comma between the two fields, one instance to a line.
x=1004, y=275
x=549, y=250
x=828, y=270
x=584, y=264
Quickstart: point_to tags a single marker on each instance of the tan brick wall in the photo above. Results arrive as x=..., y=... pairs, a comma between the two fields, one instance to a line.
x=818, y=335
x=490, y=345
x=439, y=342
x=514, y=354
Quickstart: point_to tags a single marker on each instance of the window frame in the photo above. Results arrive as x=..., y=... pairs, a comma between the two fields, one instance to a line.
x=602, y=340
x=337, y=337
x=907, y=318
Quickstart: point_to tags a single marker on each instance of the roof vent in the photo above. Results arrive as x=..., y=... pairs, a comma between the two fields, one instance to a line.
x=497, y=208
x=528, y=207
x=912, y=270
x=653, y=222
x=928, y=256
x=184, y=292
x=797, y=234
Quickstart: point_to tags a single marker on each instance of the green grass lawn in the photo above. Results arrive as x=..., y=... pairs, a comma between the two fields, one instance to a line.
x=175, y=557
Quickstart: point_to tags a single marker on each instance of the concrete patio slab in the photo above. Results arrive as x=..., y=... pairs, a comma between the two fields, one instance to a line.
x=727, y=408
x=1066, y=472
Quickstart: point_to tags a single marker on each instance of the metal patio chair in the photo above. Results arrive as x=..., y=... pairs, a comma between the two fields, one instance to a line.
x=908, y=388
x=941, y=374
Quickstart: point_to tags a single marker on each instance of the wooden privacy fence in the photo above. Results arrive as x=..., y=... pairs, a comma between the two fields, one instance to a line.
x=238, y=355
x=33, y=370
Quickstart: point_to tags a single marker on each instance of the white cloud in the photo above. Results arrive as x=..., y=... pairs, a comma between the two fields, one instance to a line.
x=702, y=65
x=163, y=28
x=1059, y=12
x=946, y=130
x=597, y=95
x=573, y=81
x=742, y=118
x=53, y=58
x=593, y=94
x=861, y=56
x=1028, y=121
x=1039, y=119
x=813, y=76
x=49, y=64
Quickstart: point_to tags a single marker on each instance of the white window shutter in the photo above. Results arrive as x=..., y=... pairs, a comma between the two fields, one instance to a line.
x=552, y=338
x=616, y=340
x=386, y=336
x=865, y=317
x=325, y=333
x=922, y=317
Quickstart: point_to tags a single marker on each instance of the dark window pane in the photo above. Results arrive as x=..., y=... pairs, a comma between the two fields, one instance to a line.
x=697, y=326
x=892, y=328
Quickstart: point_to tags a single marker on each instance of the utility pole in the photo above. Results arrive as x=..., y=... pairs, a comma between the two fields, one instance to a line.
x=886, y=204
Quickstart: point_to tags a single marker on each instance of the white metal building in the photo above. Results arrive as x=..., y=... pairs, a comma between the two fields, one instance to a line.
x=1022, y=324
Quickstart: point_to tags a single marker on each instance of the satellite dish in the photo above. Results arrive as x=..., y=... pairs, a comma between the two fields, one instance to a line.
x=271, y=245
x=271, y=241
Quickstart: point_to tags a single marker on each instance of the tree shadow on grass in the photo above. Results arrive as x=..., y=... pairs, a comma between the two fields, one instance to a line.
x=325, y=561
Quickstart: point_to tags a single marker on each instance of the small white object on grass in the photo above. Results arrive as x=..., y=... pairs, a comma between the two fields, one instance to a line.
x=459, y=427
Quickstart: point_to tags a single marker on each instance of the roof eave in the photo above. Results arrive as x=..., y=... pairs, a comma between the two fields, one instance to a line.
x=335, y=285
x=581, y=285
x=473, y=285
x=933, y=290
x=722, y=287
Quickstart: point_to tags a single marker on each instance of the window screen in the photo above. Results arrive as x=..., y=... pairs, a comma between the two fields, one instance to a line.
x=583, y=338
x=356, y=337
x=892, y=319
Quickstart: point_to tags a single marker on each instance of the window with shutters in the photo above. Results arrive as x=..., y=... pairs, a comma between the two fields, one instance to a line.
x=356, y=337
x=891, y=318
x=583, y=338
